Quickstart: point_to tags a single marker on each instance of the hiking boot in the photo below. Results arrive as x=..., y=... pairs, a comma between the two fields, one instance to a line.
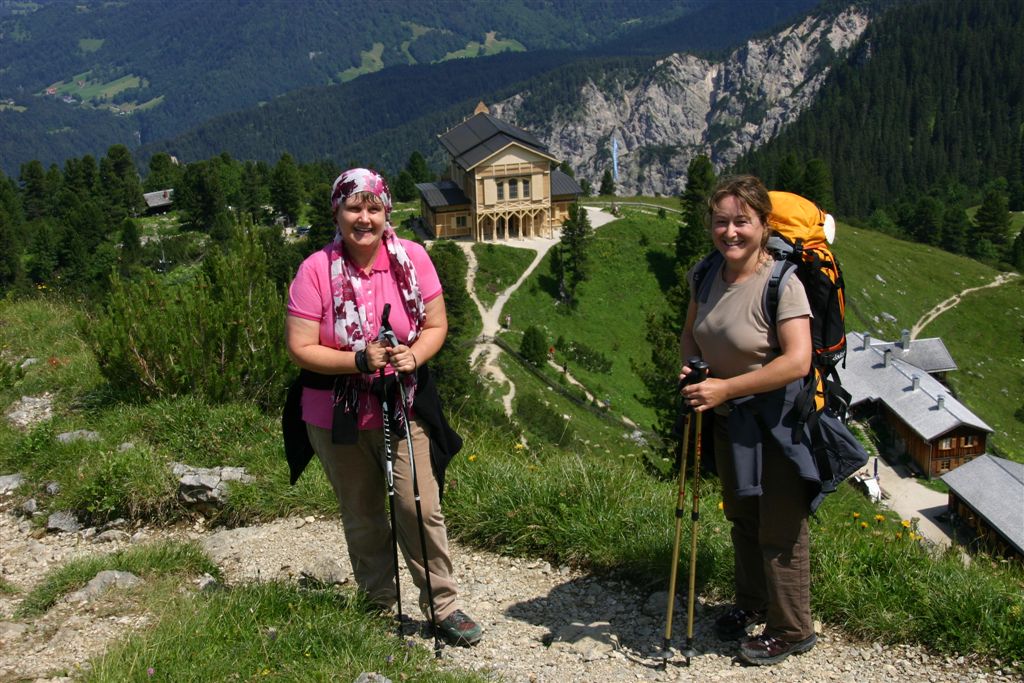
x=736, y=623
x=771, y=650
x=458, y=629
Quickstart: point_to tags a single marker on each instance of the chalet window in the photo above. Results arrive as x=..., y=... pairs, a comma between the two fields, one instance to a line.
x=526, y=189
x=944, y=465
x=945, y=444
x=460, y=221
x=513, y=189
x=969, y=441
x=501, y=190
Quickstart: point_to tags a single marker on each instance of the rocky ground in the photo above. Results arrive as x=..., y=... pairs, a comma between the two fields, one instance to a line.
x=541, y=623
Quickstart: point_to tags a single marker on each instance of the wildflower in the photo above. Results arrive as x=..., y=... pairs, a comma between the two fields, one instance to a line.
x=472, y=458
x=879, y=518
x=519, y=446
x=856, y=515
x=863, y=525
x=906, y=523
x=899, y=535
x=721, y=505
x=150, y=671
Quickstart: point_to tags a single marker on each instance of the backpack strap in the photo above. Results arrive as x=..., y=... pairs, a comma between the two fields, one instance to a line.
x=703, y=275
x=781, y=272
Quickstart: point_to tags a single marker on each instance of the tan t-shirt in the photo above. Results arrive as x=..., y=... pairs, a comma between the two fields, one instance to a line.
x=731, y=329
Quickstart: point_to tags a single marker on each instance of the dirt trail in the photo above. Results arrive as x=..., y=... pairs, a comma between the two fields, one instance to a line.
x=484, y=356
x=952, y=301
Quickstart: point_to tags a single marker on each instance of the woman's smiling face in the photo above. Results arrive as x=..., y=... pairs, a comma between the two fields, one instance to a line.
x=736, y=231
x=361, y=221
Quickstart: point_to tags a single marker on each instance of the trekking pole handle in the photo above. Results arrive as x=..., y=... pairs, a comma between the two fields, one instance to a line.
x=386, y=335
x=698, y=371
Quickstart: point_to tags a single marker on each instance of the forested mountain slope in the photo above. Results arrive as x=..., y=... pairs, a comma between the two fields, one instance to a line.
x=170, y=66
x=933, y=96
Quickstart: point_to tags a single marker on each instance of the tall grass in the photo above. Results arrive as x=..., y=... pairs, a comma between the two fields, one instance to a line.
x=268, y=631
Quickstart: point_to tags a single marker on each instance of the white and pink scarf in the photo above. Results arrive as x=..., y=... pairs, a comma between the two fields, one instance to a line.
x=351, y=329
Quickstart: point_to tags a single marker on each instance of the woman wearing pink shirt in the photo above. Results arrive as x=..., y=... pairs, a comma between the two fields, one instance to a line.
x=335, y=306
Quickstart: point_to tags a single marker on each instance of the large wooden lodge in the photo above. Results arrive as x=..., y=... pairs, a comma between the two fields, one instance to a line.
x=501, y=183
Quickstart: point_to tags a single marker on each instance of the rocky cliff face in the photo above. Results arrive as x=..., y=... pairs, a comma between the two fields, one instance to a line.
x=685, y=106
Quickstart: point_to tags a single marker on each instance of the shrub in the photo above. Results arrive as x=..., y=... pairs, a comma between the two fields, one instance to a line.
x=219, y=334
x=534, y=346
x=589, y=358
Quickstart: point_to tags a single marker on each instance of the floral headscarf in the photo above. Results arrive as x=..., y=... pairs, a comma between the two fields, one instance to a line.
x=351, y=329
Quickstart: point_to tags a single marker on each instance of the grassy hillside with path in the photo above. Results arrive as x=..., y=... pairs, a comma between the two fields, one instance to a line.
x=631, y=266
x=984, y=332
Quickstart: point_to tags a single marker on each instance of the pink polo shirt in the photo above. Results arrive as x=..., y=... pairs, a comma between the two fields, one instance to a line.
x=309, y=297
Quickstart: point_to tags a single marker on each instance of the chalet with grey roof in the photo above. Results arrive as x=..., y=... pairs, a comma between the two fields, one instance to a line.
x=921, y=416
x=501, y=183
x=987, y=497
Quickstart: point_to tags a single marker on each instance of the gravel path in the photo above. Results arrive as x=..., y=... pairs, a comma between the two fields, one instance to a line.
x=542, y=623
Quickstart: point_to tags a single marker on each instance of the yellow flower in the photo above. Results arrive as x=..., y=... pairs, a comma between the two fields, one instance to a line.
x=899, y=534
x=863, y=525
x=879, y=518
x=519, y=446
x=906, y=523
x=472, y=458
x=856, y=515
x=721, y=505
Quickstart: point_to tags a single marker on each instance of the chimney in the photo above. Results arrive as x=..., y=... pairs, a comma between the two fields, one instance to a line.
x=886, y=357
x=915, y=382
x=905, y=340
x=867, y=341
x=940, y=401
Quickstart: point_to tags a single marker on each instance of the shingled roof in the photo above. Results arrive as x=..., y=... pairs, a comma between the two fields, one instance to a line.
x=563, y=184
x=868, y=378
x=931, y=354
x=482, y=135
x=444, y=193
x=994, y=488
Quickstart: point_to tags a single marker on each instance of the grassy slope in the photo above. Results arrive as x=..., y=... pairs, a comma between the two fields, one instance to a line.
x=885, y=278
x=628, y=278
x=983, y=332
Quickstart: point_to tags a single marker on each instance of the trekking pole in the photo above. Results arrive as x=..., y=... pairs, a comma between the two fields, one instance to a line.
x=698, y=372
x=387, y=335
x=702, y=368
x=389, y=475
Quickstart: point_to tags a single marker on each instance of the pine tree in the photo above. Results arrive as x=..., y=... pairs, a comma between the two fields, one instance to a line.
x=404, y=187
x=992, y=221
x=131, y=248
x=321, y=220
x=790, y=175
x=256, y=190
x=120, y=184
x=34, y=198
x=817, y=184
x=534, y=347
x=607, y=184
x=10, y=253
x=418, y=168
x=574, y=246
x=164, y=173
x=1017, y=252
x=956, y=226
x=286, y=188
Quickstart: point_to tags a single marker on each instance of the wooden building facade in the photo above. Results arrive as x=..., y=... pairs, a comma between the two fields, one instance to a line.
x=501, y=184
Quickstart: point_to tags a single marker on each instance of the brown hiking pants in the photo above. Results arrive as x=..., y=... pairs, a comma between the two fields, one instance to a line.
x=356, y=473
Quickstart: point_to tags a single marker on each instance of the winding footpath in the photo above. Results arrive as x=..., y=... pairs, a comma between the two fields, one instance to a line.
x=952, y=301
x=484, y=356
